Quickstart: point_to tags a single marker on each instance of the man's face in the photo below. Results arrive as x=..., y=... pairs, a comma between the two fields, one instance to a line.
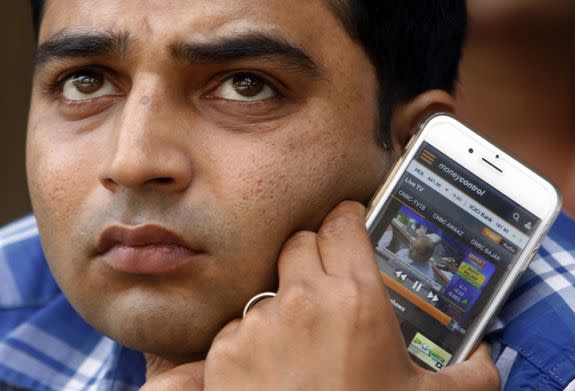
x=230, y=124
x=421, y=249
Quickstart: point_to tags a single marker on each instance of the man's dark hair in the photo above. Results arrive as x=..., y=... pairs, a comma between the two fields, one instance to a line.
x=37, y=9
x=415, y=45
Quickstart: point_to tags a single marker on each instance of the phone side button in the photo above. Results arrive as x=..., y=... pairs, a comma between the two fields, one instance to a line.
x=410, y=142
x=528, y=261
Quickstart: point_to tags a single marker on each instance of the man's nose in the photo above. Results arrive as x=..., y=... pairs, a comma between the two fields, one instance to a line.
x=147, y=146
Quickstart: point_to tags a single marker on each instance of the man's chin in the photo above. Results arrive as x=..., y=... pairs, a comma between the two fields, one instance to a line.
x=175, y=332
x=170, y=338
x=178, y=347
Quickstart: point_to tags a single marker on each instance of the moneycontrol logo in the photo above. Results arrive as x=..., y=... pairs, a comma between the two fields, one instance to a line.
x=461, y=179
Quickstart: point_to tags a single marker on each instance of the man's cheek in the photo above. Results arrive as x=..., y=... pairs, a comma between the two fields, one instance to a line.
x=57, y=190
x=287, y=194
x=59, y=182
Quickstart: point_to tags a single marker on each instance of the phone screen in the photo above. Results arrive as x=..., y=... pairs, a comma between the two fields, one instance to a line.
x=443, y=244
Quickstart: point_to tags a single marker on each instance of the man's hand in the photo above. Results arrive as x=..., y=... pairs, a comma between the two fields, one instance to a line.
x=330, y=327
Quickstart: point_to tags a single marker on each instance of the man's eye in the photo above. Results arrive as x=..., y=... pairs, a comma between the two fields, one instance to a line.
x=86, y=84
x=245, y=87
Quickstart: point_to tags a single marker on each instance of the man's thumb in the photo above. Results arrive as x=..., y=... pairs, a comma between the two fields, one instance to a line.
x=478, y=373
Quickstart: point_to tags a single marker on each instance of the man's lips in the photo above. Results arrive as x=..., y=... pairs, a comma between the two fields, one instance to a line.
x=147, y=249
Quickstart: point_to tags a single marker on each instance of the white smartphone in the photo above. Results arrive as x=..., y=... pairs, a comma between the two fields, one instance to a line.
x=453, y=227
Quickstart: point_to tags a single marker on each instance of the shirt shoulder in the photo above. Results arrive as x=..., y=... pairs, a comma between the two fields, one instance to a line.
x=25, y=280
x=537, y=324
x=44, y=344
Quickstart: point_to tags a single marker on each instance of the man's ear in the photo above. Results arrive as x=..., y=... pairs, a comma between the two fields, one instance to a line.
x=408, y=115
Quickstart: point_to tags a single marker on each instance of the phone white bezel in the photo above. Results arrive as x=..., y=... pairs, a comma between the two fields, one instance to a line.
x=516, y=181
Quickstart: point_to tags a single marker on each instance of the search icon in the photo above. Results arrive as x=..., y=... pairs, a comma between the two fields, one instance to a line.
x=516, y=216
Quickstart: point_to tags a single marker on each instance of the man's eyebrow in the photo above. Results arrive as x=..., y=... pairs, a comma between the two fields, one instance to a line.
x=82, y=43
x=246, y=46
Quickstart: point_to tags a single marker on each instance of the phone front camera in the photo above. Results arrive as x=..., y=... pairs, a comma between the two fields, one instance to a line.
x=470, y=150
x=496, y=156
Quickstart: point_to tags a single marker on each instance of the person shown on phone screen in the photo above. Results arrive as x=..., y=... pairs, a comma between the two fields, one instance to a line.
x=186, y=155
x=517, y=86
x=419, y=254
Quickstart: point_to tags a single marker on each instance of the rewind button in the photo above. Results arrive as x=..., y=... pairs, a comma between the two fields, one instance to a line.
x=401, y=275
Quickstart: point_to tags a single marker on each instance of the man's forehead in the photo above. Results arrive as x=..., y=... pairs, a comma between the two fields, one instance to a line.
x=298, y=20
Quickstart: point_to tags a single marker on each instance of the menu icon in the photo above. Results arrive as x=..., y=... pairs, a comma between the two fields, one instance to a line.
x=427, y=157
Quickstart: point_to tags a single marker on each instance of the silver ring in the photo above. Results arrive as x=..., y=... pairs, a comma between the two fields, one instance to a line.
x=251, y=302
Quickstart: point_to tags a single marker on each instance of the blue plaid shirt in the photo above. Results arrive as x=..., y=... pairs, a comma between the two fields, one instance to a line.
x=45, y=345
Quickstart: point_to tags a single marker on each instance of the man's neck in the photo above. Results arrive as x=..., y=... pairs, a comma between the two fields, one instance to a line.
x=156, y=365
